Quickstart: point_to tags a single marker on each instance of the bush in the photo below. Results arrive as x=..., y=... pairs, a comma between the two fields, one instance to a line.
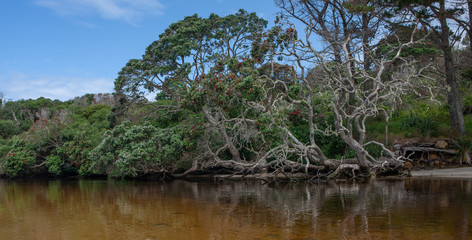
x=75, y=155
x=44, y=136
x=464, y=147
x=421, y=125
x=5, y=147
x=54, y=164
x=130, y=150
x=8, y=128
x=17, y=161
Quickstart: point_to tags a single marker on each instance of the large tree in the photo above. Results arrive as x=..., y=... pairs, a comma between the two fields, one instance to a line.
x=444, y=20
x=346, y=66
x=189, y=57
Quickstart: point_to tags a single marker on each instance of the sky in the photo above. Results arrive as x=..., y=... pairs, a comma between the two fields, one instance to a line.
x=60, y=49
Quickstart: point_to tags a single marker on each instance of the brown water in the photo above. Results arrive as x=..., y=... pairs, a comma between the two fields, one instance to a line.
x=86, y=209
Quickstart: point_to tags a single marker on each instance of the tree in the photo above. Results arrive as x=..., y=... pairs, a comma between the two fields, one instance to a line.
x=184, y=58
x=367, y=23
x=438, y=17
x=343, y=73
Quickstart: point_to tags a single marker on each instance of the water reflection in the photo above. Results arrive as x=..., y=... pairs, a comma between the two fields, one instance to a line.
x=85, y=209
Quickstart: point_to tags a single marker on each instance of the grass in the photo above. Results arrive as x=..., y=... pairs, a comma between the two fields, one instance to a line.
x=468, y=124
x=432, y=122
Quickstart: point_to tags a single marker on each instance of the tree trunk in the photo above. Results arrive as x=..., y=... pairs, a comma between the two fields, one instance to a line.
x=368, y=85
x=453, y=97
x=351, y=142
x=232, y=149
x=469, y=30
x=360, y=153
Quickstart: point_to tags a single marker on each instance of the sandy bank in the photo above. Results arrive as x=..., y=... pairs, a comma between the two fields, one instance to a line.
x=465, y=172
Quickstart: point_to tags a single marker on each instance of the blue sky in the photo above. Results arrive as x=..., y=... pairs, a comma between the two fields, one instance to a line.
x=60, y=49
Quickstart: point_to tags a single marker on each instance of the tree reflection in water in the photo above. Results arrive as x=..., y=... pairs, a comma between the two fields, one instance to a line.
x=380, y=209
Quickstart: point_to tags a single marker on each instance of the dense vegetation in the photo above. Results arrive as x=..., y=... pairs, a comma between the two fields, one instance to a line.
x=228, y=94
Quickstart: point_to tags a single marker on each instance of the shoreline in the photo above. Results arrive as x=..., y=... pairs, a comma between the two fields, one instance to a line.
x=450, y=173
x=456, y=173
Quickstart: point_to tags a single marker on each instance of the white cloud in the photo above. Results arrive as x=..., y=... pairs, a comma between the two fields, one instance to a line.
x=130, y=11
x=24, y=86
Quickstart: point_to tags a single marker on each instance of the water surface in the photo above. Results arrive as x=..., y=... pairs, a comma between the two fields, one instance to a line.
x=101, y=209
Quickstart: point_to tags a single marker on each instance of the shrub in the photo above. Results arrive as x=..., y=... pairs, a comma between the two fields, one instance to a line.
x=464, y=147
x=5, y=147
x=129, y=150
x=54, y=164
x=8, y=128
x=17, y=161
x=424, y=126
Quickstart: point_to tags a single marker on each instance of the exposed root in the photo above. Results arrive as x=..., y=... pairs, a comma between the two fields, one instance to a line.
x=344, y=168
x=290, y=171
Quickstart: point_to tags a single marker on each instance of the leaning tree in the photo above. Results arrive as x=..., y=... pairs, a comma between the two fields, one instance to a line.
x=206, y=66
x=343, y=76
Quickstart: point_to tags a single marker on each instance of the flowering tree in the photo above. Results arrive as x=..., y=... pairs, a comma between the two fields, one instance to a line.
x=192, y=65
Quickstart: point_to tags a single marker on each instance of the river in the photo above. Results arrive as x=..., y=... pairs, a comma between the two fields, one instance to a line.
x=112, y=209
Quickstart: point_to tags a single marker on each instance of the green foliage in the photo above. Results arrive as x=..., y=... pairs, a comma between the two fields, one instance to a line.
x=8, y=128
x=375, y=150
x=332, y=145
x=59, y=147
x=54, y=164
x=359, y=7
x=44, y=136
x=419, y=124
x=423, y=119
x=271, y=134
x=467, y=100
x=90, y=124
x=129, y=150
x=422, y=51
x=464, y=147
x=468, y=124
x=190, y=134
x=466, y=75
x=95, y=113
x=41, y=140
x=74, y=155
x=225, y=89
x=168, y=120
x=169, y=64
x=17, y=161
x=25, y=125
x=5, y=147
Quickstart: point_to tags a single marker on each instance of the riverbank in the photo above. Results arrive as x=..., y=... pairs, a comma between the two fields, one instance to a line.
x=457, y=173
x=463, y=172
